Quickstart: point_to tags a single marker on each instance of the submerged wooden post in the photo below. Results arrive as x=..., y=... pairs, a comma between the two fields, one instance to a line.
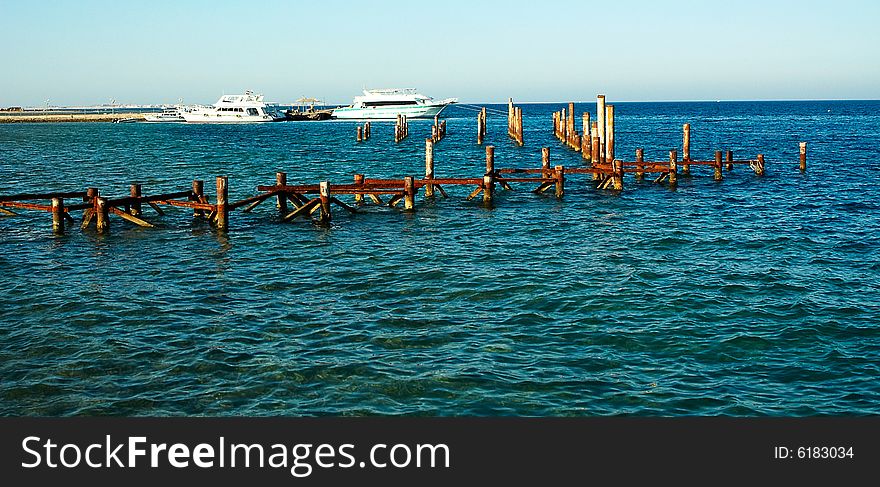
x=686, y=150
x=686, y=143
x=673, y=168
x=367, y=130
x=409, y=193
x=222, y=203
x=586, y=140
x=198, y=189
x=489, y=177
x=519, y=126
x=596, y=149
x=803, y=156
x=359, y=134
x=57, y=216
x=545, y=162
x=102, y=215
x=640, y=158
x=281, y=203
x=324, y=194
x=559, y=175
x=609, y=131
x=359, y=182
x=717, y=166
x=429, y=167
x=616, y=174
x=135, y=192
x=729, y=157
x=759, y=167
x=600, y=121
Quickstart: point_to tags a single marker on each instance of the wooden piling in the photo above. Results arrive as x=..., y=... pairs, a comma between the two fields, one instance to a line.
x=409, y=193
x=281, y=203
x=324, y=194
x=759, y=166
x=686, y=150
x=586, y=140
x=429, y=167
x=489, y=177
x=640, y=158
x=596, y=149
x=559, y=174
x=609, y=133
x=134, y=190
x=717, y=166
x=57, y=216
x=600, y=121
x=673, y=168
x=729, y=157
x=686, y=143
x=545, y=162
x=519, y=126
x=102, y=215
x=359, y=134
x=803, y=156
x=198, y=190
x=359, y=181
x=367, y=130
x=222, y=203
x=617, y=174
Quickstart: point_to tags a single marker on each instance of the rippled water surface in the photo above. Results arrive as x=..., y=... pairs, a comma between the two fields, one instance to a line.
x=752, y=296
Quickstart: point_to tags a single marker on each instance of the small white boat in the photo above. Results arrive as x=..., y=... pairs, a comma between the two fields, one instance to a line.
x=168, y=115
x=246, y=108
x=388, y=104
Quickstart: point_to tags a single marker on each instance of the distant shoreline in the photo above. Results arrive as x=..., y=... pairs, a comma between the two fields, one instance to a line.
x=73, y=117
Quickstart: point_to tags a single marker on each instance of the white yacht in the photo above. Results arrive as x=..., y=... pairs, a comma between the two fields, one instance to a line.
x=169, y=114
x=388, y=104
x=246, y=108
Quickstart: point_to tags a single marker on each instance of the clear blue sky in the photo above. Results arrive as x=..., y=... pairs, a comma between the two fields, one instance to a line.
x=86, y=52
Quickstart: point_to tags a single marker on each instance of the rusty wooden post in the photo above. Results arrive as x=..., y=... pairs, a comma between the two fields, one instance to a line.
x=803, y=156
x=134, y=190
x=686, y=150
x=102, y=215
x=519, y=126
x=359, y=182
x=409, y=193
x=222, y=203
x=559, y=175
x=717, y=166
x=359, y=134
x=640, y=158
x=609, y=131
x=596, y=149
x=673, y=168
x=281, y=200
x=616, y=174
x=586, y=149
x=686, y=144
x=367, y=130
x=759, y=167
x=324, y=194
x=600, y=120
x=198, y=190
x=489, y=177
x=57, y=216
x=545, y=162
x=429, y=167
x=729, y=157
x=88, y=215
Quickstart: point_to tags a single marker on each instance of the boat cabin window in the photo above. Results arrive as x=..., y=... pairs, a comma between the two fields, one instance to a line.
x=386, y=103
x=252, y=112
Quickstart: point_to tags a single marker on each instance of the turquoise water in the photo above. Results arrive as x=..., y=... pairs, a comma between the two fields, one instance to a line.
x=753, y=296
